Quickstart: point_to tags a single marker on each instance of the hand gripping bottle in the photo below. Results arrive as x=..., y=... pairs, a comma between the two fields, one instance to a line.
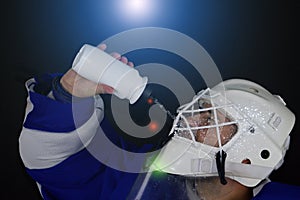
x=100, y=67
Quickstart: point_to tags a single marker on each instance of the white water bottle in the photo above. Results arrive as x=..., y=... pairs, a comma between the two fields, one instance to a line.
x=100, y=67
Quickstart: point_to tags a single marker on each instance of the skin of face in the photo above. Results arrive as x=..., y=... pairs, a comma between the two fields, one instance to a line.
x=209, y=135
x=210, y=188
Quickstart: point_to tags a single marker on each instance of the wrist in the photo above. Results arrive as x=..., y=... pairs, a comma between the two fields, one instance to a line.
x=66, y=85
x=59, y=92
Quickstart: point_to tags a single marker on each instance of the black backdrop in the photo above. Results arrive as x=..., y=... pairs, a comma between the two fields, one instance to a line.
x=256, y=40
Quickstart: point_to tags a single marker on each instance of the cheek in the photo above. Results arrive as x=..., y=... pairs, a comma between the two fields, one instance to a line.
x=193, y=120
x=207, y=136
x=201, y=135
x=226, y=133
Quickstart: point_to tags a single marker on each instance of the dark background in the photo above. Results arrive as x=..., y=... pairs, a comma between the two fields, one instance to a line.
x=256, y=40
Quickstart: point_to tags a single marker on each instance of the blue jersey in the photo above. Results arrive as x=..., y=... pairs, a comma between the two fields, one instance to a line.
x=54, y=148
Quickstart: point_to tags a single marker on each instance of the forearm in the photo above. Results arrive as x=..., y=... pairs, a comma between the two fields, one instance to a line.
x=55, y=129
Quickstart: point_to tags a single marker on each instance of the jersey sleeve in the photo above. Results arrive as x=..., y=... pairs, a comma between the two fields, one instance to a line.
x=53, y=130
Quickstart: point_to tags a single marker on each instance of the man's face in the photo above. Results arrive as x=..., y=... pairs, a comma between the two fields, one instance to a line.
x=207, y=135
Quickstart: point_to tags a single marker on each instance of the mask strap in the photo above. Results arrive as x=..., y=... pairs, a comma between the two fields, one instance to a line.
x=220, y=155
x=220, y=161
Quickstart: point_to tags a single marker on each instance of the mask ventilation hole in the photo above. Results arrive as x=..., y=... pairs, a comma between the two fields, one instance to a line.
x=246, y=161
x=265, y=154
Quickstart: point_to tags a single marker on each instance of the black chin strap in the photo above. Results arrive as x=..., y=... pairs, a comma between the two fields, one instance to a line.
x=220, y=160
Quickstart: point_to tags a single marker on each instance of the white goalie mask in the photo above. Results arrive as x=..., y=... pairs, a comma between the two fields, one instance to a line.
x=236, y=129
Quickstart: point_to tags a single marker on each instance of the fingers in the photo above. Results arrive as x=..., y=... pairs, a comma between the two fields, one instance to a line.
x=130, y=64
x=117, y=56
x=123, y=59
x=102, y=46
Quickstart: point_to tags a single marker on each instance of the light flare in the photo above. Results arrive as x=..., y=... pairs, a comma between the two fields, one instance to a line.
x=136, y=10
x=153, y=126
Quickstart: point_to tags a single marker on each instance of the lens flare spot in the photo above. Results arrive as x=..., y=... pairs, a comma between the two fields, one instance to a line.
x=153, y=126
x=150, y=101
